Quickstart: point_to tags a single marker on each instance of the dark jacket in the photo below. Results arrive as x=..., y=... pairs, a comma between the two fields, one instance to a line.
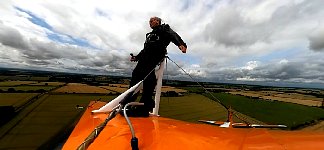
x=157, y=41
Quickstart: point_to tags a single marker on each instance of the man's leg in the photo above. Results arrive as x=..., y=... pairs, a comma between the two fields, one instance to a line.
x=137, y=76
x=148, y=90
x=142, y=111
x=140, y=72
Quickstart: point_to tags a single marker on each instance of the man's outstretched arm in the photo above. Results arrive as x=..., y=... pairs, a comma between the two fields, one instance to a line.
x=176, y=39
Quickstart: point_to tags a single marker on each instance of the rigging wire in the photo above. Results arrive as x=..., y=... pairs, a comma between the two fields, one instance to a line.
x=215, y=98
x=198, y=83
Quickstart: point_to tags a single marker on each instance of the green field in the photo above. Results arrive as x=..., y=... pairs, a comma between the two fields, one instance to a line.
x=15, y=99
x=272, y=112
x=16, y=83
x=44, y=122
x=49, y=83
x=191, y=108
x=39, y=78
x=28, y=88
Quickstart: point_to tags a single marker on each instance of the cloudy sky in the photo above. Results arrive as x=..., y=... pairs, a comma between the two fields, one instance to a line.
x=228, y=40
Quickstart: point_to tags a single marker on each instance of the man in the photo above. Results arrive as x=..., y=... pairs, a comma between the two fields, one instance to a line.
x=153, y=53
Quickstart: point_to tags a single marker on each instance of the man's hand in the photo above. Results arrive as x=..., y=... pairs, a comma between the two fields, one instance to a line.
x=133, y=58
x=183, y=48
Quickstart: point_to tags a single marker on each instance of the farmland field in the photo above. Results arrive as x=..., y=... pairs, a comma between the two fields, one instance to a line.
x=51, y=118
x=53, y=115
x=28, y=88
x=45, y=121
x=117, y=88
x=120, y=88
x=15, y=99
x=192, y=108
x=170, y=88
x=48, y=83
x=297, y=98
x=272, y=112
x=81, y=88
x=15, y=83
x=4, y=77
x=39, y=78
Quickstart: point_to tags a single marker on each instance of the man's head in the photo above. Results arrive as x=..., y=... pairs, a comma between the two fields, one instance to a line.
x=155, y=21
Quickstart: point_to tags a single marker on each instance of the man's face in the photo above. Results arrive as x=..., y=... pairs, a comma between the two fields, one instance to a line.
x=153, y=22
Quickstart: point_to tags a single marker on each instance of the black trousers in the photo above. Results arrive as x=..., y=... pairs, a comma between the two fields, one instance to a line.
x=144, y=69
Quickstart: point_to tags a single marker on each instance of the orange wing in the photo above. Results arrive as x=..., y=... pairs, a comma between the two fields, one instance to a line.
x=156, y=133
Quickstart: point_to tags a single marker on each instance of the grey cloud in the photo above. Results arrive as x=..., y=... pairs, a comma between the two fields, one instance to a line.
x=316, y=40
x=216, y=31
x=98, y=63
x=51, y=50
x=35, y=52
x=38, y=62
x=114, y=60
x=278, y=71
x=290, y=71
x=229, y=28
x=12, y=37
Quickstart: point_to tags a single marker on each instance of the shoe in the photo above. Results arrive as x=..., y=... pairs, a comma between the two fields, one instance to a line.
x=136, y=111
x=149, y=103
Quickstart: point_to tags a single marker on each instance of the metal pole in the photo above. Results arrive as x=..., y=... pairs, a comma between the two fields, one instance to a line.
x=159, y=75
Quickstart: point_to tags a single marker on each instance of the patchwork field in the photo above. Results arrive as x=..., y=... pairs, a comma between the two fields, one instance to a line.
x=16, y=83
x=302, y=99
x=81, y=88
x=170, y=88
x=120, y=88
x=15, y=99
x=45, y=122
x=273, y=112
x=39, y=78
x=51, y=117
x=191, y=108
x=194, y=107
x=49, y=83
x=116, y=88
x=28, y=88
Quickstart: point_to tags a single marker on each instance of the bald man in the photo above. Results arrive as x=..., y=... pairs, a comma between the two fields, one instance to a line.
x=154, y=51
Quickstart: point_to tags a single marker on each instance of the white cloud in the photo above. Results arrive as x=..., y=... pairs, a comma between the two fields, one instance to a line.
x=271, y=37
x=250, y=65
x=284, y=61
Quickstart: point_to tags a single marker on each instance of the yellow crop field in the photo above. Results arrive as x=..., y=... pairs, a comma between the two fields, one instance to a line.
x=170, y=88
x=302, y=99
x=119, y=85
x=119, y=88
x=81, y=88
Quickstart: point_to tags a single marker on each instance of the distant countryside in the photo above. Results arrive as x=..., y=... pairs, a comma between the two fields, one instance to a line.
x=39, y=109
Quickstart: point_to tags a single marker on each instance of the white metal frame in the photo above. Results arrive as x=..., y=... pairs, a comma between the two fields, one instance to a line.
x=159, y=76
